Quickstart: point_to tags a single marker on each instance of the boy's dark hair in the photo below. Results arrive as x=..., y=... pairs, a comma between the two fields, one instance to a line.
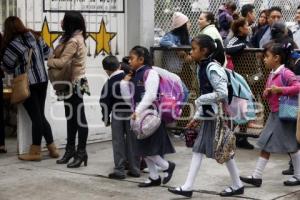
x=215, y=47
x=110, y=63
x=298, y=7
x=126, y=68
x=143, y=52
x=275, y=8
x=247, y=8
x=126, y=60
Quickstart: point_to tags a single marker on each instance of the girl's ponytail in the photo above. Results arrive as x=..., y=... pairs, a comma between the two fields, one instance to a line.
x=219, y=54
x=214, y=47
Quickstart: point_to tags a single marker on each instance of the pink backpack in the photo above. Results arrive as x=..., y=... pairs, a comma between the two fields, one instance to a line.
x=170, y=98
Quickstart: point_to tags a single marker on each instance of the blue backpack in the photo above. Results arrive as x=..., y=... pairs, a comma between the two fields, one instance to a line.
x=240, y=106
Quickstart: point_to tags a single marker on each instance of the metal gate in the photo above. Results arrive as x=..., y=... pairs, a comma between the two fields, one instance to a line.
x=164, y=10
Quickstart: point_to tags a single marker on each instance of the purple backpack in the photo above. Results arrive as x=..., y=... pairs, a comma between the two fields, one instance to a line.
x=170, y=98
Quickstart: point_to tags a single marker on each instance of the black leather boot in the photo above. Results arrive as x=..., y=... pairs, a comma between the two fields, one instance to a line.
x=79, y=158
x=70, y=153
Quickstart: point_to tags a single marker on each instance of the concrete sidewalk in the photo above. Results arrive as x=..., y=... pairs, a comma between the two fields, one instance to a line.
x=47, y=181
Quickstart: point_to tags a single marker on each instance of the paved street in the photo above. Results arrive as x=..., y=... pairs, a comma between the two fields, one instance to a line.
x=46, y=180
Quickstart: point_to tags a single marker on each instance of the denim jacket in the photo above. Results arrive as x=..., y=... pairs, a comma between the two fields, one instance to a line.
x=170, y=40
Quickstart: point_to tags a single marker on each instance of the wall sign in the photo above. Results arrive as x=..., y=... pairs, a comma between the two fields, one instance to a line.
x=91, y=6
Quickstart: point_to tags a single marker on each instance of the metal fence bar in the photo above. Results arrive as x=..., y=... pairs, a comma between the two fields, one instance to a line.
x=164, y=10
x=249, y=64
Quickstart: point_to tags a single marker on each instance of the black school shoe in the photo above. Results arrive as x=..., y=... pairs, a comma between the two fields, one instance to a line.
x=181, y=192
x=292, y=183
x=3, y=151
x=116, y=176
x=232, y=192
x=170, y=171
x=253, y=181
x=289, y=171
x=133, y=174
x=152, y=183
x=244, y=144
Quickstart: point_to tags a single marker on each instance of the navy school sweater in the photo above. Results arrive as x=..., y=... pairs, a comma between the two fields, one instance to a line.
x=111, y=100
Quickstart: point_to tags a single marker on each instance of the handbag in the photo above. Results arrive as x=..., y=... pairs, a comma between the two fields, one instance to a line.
x=190, y=136
x=60, y=78
x=224, y=141
x=145, y=124
x=288, y=105
x=20, y=84
x=288, y=108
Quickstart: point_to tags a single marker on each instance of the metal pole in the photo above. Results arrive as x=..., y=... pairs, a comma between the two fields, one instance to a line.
x=26, y=21
x=33, y=16
x=7, y=8
x=89, y=25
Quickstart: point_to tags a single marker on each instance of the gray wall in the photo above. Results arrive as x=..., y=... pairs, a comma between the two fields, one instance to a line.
x=140, y=23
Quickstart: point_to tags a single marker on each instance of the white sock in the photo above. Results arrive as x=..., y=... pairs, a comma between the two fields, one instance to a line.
x=194, y=168
x=234, y=174
x=296, y=163
x=159, y=161
x=153, y=173
x=260, y=166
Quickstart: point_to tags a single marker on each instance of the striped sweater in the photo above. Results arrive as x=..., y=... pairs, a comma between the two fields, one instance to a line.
x=15, y=57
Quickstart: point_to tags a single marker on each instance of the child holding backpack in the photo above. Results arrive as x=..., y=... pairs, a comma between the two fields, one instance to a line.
x=209, y=55
x=143, y=94
x=278, y=136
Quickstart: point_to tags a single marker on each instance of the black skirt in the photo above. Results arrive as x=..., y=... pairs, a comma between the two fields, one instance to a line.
x=157, y=144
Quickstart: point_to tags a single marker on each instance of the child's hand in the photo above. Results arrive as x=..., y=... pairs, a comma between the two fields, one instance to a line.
x=276, y=90
x=128, y=77
x=193, y=124
x=267, y=92
x=134, y=116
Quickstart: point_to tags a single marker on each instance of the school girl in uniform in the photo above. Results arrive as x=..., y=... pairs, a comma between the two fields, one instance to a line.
x=206, y=51
x=278, y=136
x=144, y=94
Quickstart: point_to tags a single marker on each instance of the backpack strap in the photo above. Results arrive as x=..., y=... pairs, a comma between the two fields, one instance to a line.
x=217, y=67
x=282, y=77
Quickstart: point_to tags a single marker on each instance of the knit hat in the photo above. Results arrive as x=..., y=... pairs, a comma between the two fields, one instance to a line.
x=178, y=20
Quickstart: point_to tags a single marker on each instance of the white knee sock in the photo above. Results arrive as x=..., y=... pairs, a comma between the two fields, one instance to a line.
x=159, y=161
x=260, y=166
x=296, y=163
x=234, y=174
x=194, y=168
x=153, y=173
